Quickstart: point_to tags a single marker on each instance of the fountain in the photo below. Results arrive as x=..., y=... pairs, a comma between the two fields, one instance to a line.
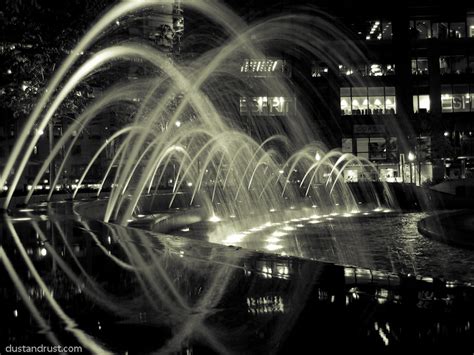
x=173, y=293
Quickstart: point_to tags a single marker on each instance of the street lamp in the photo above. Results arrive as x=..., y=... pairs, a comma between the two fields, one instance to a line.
x=411, y=158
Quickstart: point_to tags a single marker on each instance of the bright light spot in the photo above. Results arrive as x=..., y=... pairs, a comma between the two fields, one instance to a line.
x=273, y=247
x=189, y=184
x=411, y=156
x=314, y=221
x=292, y=207
x=40, y=132
x=386, y=210
x=446, y=134
x=278, y=234
x=272, y=210
x=117, y=22
x=9, y=71
x=280, y=172
x=347, y=215
x=185, y=229
x=318, y=157
x=329, y=218
x=214, y=219
x=178, y=124
x=288, y=228
x=314, y=206
x=232, y=216
x=43, y=252
x=140, y=215
x=26, y=210
x=366, y=213
x=234, y=238
x=299, y=225
x=15, y=313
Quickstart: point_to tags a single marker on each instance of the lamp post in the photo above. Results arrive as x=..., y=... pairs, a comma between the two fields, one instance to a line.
x=411, y=158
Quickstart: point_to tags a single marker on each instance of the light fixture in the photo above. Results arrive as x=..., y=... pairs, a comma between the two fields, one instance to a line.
x=411, y=156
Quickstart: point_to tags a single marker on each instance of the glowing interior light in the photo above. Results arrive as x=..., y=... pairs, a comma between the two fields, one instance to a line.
x=318, y=158
x=189, y=184
x=178, y=124
x=185, y=229
x=43, y=252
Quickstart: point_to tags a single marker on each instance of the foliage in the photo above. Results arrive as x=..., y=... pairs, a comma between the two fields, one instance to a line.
x=35, y=38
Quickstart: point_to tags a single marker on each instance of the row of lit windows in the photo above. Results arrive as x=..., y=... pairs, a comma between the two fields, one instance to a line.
x=372, y=148
x=453, y=64
x=321, y=69
x=367, y=70
x=424, y=29
x=368, y=100
x=267, y=105
x=265, y=67
x=420, y=29
x=456, y=64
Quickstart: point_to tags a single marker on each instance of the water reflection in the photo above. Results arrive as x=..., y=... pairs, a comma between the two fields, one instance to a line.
x=113, y=289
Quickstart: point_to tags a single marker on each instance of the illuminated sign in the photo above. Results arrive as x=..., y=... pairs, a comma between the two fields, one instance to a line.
x=265, y=105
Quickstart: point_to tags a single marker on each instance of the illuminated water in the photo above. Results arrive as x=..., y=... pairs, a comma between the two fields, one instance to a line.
x=379, y=241
x=68, y=278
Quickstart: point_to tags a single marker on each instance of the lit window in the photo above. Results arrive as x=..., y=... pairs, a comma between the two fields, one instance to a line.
x=265, y=67
x=420, y=29
x=419, y=66
x=457, y=30
x=470, y=25
x=368, y=101
x=440, y=30
x=263, y=105
x=319, y=69
x=421, y=103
